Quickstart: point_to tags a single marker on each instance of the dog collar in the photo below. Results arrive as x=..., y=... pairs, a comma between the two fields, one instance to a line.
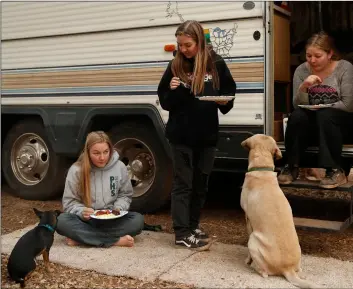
x=268, y=169
x=50, y=228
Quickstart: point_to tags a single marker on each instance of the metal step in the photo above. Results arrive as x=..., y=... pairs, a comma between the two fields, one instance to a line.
x=321, y=225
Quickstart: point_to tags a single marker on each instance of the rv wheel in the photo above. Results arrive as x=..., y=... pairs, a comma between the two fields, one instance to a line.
x=148, y=165
x=31, y=168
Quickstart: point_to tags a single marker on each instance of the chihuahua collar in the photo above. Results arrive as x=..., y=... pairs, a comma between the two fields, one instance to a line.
x=50, y=228
x=268, y=169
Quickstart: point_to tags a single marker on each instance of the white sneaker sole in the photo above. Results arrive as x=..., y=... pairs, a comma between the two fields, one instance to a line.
x=203, y=248
x=335, y=185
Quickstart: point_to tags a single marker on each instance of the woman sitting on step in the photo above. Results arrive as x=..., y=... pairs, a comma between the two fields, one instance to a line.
x=322, y=79
x=98, y=180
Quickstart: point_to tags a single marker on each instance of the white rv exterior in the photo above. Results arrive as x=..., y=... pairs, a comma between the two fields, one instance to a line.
x=105, y=47
x=63, y=60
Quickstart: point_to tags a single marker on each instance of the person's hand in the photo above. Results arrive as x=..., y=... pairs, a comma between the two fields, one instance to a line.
x=116, y=211
x=174, y=83
x=86, y=213
x=310, y=81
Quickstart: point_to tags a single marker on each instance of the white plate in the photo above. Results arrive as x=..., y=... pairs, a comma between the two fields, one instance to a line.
x=216, y=98
x=108, y=217
x=315, y=106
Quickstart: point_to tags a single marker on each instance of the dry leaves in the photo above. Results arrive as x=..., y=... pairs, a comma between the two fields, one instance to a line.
x=66, y=277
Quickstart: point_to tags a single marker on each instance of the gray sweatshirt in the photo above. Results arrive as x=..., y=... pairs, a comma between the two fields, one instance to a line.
x=110, y=188
x=341, y=79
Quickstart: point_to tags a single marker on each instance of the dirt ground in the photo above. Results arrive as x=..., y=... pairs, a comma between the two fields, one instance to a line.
x=226, y=223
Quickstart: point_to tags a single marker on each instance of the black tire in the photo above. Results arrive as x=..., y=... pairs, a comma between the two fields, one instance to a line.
x=158, y=194
x=52, y=183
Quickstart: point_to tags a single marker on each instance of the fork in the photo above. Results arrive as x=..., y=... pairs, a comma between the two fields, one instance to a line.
x=184, y=84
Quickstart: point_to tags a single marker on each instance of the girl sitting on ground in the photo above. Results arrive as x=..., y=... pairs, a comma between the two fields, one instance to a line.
x=98, y=180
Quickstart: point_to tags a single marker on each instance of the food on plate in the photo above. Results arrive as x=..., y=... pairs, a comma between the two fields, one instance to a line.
x=116, y=212
x=102, y=212
x=107, y=214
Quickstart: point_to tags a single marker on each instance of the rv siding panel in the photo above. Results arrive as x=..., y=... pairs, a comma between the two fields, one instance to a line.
x=242, y=72
x=247, y=110
x=126, y=46
x=38, y=19
x=58, y=47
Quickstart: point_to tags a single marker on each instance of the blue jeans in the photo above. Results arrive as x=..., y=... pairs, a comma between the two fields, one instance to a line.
x=99, y=233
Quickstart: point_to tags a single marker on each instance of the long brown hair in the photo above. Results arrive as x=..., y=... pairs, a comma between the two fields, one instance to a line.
x=84, y=162
x=324, y=42
x=204, y=59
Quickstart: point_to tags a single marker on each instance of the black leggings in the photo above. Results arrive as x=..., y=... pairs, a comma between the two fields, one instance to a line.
x=192, y=168
x=328, y=128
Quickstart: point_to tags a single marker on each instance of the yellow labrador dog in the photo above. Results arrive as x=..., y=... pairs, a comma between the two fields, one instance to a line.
x=273, y=242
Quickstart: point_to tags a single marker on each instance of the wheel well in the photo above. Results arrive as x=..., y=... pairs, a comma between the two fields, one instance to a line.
x=9, y=120
x=107, y=122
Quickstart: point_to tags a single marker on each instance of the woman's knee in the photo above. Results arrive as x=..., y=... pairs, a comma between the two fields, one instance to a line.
x=326, y=116
x=298, y=117
x=182, y=186
x=137, y=222
x=65, y=222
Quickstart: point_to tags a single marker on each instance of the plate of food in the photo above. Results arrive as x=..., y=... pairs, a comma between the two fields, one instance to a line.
x=108, y=214
x=315, y=106
x=216, y=98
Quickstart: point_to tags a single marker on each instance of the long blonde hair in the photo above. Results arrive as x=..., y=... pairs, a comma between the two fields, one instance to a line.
x=324, y=42
x=204, y=60
x=84, y=162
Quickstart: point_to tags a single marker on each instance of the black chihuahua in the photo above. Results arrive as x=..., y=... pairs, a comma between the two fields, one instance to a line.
x=35, y=242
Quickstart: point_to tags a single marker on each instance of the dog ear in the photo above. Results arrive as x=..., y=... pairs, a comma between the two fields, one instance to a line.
x=245, y=144
x=277, y=153
x=38, y=213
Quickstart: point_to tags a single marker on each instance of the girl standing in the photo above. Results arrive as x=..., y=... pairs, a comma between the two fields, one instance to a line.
x=192, y=127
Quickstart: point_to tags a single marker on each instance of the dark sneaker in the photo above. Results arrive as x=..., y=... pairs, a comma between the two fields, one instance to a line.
x=192, y=242
x=199, y=234
x=288, y=175
x=333, y=179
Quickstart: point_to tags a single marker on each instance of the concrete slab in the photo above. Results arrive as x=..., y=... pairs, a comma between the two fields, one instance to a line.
x=223, y=267
x=155, y=256
x=152, y=255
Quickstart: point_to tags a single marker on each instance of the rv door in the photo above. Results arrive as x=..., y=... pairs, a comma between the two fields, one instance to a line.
x=269, y=64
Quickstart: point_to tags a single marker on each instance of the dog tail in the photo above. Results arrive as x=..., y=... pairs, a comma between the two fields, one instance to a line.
x=293, y=278
x=22, y=282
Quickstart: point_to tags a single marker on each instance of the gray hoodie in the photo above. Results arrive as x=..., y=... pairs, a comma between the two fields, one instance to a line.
x=110, y=188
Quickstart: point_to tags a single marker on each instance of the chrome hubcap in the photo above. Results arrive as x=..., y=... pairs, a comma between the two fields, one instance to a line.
x=140, y=164
x=29, y=159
